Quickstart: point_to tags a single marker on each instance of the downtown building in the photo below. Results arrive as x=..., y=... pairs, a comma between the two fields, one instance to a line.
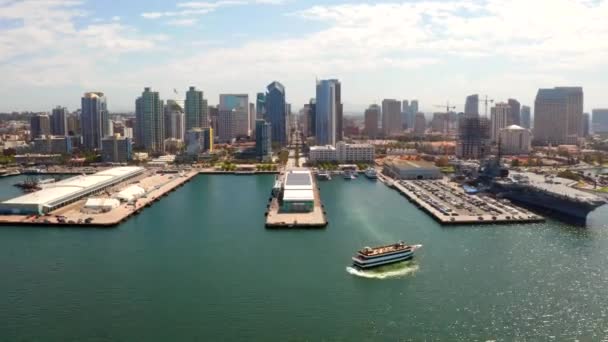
x=342, y=153
x=94, y=120
x=525, y=117
x=558, y=116
x=514, y=112
x=328, y=113
x=150, y=122
x=263, y=140
x=499, y=119
x=195, y=110
x=599, y=121
x=372, y=118
x=391, y=118
x=233, y=121
x=116, y=149
x=419, y=125
x=53, y=145
x=59, y=121
x=199, y=140
x=408, y=113
x=515, y=140
x=40, y=125
x=276, y=112
x=473, y=132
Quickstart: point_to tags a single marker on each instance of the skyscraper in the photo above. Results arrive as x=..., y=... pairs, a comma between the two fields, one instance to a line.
x=405, y=113
x=275, y=112
x=40, y=124
x=500, y=118
x=252, y=118
x=419, y=125
x=260, y=106
x=238, y=104
x=326, y=117
x=525, y=117
x=585, y=125
x=94, y=119
x=175, y=126
x=412, y=111
x=372, y=116
x=263, y=139
x=391, y=117
x=199, y=140
x=471, y=107
x=150, y=121
x=59, y=121
x=514, y=112
x=599, y=120
x=558, y=115
x=226, y=125
x=195, y=109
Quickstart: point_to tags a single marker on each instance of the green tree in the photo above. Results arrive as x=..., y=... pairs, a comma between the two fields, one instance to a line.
x=515, y=162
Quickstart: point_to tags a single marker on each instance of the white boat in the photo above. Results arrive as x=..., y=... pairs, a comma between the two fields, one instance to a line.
x=323, y=175
x=370, y=257
x=348, y=175
x=371, y=173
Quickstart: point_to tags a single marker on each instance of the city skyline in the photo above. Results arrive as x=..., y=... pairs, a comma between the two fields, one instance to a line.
x=120, y=49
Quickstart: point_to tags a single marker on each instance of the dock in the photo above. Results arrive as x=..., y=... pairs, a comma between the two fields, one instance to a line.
x=448, y=204
x=158, y=185
x=276, y=219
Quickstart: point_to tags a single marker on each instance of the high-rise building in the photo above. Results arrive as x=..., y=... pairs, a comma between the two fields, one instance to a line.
x=372, y=116
x=391, y=117
x=116, y=149
x=175, y=126
x=252, y=118
x=473, y=137
x=585, y=125
x=558, y=115
x=195, y=110
x=53, y=145
x=150, y=121
x=263, y=140
x=73, y=124
x=599, y=120
x=419, y=125
x=199, y=140
x=471, y=107
x=525, y=117
x=500, y=117
x=515, y=140
x=413, y=110
x=238, y=104
x=327, y=117
x=441, y=123
x=514, y=112
x=59, y=121
x=260, y=106
x=405, y=113
x=214, y=117
x=275, y=112
x=40, y=124
x=94, y=119
x=226, y=125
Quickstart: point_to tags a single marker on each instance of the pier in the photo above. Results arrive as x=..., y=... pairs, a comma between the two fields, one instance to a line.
x=448, y=204
x=303, y=191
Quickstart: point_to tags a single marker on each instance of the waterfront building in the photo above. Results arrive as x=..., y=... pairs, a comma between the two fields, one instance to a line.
x=525, y=117
x=53, y=145
x=515, y=140
x=59, y=121
x=558, y=115
x=343, y=153
x=275, y=112
x=238, y=105
x=298, y=193
x=199, y=140
x=70, y=190
x=405, y=169
x=372, y=117
x=328, y=126
x=195, y=110
x=500, y=117
x=150, y=122
x=40, y=125
x=391, y=117
x=116, y=149
x=471, y=107
x=585, y=126
x=514, y=112
x=175, y=125
x=599, y=120
x=420, y=125
x=263, y=140
x=94, y=119
x=38, y=159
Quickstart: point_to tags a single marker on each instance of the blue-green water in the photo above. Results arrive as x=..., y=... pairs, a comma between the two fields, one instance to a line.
x=199, y=265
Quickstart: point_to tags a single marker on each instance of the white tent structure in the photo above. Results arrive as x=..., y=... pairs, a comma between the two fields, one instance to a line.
x=101, y=204
x=130, y=194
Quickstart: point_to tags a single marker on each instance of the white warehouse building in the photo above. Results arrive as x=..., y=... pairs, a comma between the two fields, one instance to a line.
x=342, y=153
x=67, y=191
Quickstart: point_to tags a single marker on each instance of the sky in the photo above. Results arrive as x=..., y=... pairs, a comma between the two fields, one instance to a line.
x=52, y=51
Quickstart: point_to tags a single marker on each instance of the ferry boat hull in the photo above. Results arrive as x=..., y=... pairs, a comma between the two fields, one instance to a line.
x=369, y=258
x=369, y=264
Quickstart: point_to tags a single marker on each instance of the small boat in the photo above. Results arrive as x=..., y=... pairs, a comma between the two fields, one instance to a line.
x=348, y=175
x=371, y=173
x=370, y=257
x=323, y=175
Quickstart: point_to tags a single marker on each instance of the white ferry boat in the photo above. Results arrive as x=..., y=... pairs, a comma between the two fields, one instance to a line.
x=370, y=257
x=371, y=173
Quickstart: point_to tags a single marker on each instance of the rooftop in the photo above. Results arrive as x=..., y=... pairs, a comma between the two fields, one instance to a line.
x=412, y=164
x=298, y=180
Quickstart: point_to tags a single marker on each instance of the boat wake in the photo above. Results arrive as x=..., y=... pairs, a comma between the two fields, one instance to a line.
x=391, y=271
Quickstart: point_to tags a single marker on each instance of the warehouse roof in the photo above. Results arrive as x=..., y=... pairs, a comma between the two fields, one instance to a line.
x=70, y=187
x=298, y=180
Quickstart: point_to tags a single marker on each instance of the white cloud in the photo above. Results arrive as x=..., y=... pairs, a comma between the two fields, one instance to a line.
x=182, y=22
x=196, y=8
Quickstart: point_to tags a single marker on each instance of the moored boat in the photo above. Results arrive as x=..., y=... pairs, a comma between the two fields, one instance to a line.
x=349, y=175
x=370, y=257
x=323, y=175
x=371, y=173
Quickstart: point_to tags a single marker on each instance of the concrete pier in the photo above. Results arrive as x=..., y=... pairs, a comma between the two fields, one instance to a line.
x=448, y=204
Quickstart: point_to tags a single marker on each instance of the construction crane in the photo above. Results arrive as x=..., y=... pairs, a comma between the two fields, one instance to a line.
x=486, y=101
x=447, y=107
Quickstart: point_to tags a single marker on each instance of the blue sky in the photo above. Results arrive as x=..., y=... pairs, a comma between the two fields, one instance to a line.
x=51, y=51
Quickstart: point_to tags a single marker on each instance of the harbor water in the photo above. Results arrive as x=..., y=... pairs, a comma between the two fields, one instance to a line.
x=199, y=265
